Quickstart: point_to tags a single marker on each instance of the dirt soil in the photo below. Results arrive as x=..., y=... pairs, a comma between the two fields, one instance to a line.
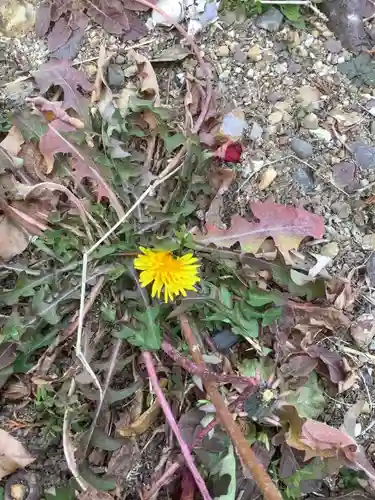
x=306, y=122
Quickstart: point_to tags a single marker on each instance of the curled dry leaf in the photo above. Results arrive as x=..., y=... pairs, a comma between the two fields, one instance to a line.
x=16, y=390
x=142, y=423
x=14, y=240
x=147, y=76
x=267, y=178
x=13, y=455
x=55, y=108
x=287, y=225
x=13, y=141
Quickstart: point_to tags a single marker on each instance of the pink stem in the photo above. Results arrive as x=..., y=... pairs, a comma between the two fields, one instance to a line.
x=147, y=358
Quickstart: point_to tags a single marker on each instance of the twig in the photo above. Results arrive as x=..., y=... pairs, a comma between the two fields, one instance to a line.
x=202, y=372
x=147, y=358
x=164, y=479
x=244, y=450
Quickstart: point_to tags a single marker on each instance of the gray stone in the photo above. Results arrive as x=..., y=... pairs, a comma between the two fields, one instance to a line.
x=304, y=178
x=273, y=97
x=322, y=134
x=333, y=46
x=330, y=249
x=256, y=131
x=254, y=53
x=294, y=68
x=130, y=71
x=224, y=75
x=120, y=59
x=115, y=76
x=370, y=269
x=342, y=209
x=238, y=55
x=271, y=20
x=364, y=154
x=275, y=117
x=343, y=174
x=302, y=148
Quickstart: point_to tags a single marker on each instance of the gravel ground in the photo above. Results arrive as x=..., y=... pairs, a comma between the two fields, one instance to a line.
x=309, y=129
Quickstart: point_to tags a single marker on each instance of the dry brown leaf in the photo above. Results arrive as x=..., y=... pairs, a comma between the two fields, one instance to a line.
x=13, y=141
x=92, y=494
x=13, y=455
x=103, y=61
x=15, y=390
x=13, y=239
x=146, y=73
x=143, y=423
x=267, y=178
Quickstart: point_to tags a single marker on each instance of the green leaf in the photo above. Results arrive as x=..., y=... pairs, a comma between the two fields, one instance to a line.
x=108, y=313
x=259, y=298
x=264, y=366
x=31, y=126
x=227, y=467
x=172, y=142
x=101, y=483
x=101, y=440
x=309, y=399
x=62, y=493
x=1, y=493
x=271, y=315
x=225, y=297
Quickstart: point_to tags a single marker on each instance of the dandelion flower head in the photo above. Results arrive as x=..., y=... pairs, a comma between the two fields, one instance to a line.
x=165, y=271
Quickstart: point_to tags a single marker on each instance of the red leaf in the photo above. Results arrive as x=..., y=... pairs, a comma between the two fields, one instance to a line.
x=333, y=367
x=134, y=5
x=59, y=35
x=328, y=441
x=53, y=142
x=299, y=366
x=43, y=19
x=287, y=225
x=70, y=48
x=110, y=15
x=69, y=79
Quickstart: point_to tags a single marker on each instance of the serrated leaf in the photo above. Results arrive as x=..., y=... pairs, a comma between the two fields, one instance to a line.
x=286, y=225
x=259, y=298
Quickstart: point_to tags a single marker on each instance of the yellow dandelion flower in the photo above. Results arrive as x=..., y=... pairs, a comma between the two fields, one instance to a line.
x=175, y=274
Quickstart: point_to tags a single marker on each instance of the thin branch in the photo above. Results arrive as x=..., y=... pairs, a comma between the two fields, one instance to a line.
x=147, y=358
x=194, y=369
x=244, y=450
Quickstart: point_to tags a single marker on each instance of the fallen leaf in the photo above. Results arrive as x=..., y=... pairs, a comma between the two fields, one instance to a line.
x=221, y=178
x=143, y=422
x=71, y=80
x=331, y=365
x=13, y=455
x=351, y=417
x=287, y=225
x=43, y=18
x=91, y=494
x=309, y=399
x=59, y=34
x=172, y=54
x=13, y=141
x=362, y=330
x=14, y=240
x=226, y=467
x=103, y=61
x=267, y=178
x=16, y=390
x=53, y=142
x=146, y=73
x=8, y=354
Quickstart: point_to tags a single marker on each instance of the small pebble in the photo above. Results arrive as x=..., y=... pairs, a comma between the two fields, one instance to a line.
x=224, y=75
x=256, y=131
x=302, y=148
x=254, y=53
x=310, y=121
x=130, y=71
x=304, y=178
x=330, y=249
x=322, y=134
x=342, y=209
x=333, y=46
x=271, y=20
x=343, y=173
x=120, y=59
x=275, y=117
x=115, y=76
x=223, y=51
x=368, y=241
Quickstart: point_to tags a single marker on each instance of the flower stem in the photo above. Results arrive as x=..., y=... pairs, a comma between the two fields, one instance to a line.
x=244, y=450
x=147, y=358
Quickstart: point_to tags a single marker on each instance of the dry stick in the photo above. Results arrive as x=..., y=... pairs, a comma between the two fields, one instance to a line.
x=147, y=358
x=244, y=450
